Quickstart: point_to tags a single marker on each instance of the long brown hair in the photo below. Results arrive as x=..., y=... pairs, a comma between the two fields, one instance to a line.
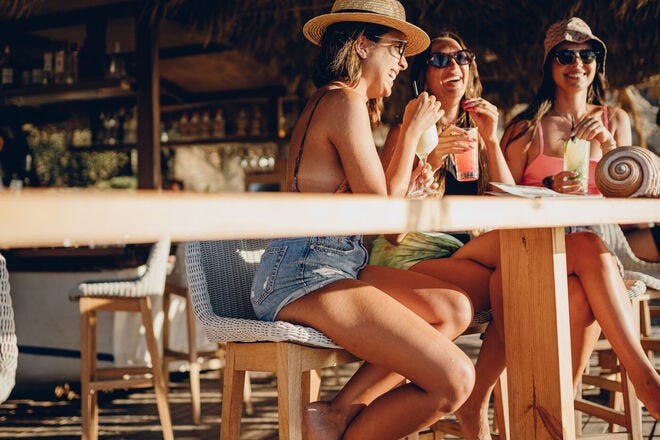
x=339, y=61
x=473, y=90
x=530, y=118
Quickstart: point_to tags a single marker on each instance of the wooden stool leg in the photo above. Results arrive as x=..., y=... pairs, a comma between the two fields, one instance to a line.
x=233, y=380
x=289, y=390
x=166, y=337
x=157, y=369
x=193, y=364
x=88, y=397
x=501, y=407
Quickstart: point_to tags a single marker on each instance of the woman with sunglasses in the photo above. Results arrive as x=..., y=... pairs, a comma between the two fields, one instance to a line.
x=596, y=292
x=324, y=282
x=569, y=103
x=448, y=71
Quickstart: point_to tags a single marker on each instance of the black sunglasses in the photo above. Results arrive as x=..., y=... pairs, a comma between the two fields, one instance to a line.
x=566, y=57
x=441, y=60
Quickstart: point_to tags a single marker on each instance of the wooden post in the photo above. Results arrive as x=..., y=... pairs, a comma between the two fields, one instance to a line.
x=148, y=98
x=536, y=328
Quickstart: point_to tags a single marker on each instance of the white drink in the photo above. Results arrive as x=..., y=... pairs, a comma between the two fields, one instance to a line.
x=427, y=142
x=576, y=159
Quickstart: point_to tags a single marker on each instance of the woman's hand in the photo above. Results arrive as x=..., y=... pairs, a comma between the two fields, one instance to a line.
x=421, y=113
x=452, y=140
x=592, y=128
x=565, y=182
x=421, y=179
x=485, y=116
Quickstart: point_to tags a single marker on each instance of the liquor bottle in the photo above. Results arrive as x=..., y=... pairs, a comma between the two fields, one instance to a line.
x=116, y=66
x=7, y=70
x=48, y=70
x=71, y=69
x=218, y=124
x=59, y=61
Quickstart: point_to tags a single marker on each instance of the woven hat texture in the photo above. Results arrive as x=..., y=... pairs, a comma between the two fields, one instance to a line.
x=388, y=13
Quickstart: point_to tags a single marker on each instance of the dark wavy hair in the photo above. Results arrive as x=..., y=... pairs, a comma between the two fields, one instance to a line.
x=339, y=61
x=473, y=90
x=545, y=98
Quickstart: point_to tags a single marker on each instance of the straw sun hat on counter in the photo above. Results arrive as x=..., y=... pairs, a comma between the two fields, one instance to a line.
x=388, y=13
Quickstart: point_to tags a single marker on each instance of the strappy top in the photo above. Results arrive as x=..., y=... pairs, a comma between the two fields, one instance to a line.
x=543, y=165
x=343, y=186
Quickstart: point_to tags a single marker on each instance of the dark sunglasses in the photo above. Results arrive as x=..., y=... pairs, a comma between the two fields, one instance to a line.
x=566, y=57
x=441, y=60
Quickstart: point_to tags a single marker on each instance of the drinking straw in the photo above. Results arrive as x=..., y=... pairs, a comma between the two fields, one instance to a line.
x=415, y=89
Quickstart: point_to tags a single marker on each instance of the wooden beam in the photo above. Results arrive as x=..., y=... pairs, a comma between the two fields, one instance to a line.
x=148, y=101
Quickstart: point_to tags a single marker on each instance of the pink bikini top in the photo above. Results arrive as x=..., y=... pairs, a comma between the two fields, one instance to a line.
x=343, y=187
x=543, y=166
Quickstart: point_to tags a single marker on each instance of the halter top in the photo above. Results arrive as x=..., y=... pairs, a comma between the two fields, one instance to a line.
x=543, y=165
x=343, y=186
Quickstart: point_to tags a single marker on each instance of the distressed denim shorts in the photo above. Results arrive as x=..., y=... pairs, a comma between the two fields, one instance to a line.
x=291, y=268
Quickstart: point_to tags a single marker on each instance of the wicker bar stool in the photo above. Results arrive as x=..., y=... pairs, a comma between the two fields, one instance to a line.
x=131, y=295
x=220, y=277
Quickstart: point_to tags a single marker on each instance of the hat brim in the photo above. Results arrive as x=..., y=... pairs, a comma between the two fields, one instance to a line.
x=417, y=39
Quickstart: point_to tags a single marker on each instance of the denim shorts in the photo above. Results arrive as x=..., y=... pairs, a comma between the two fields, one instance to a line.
x=291, y=268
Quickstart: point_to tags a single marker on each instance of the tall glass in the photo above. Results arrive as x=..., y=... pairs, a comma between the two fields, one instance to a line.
x=576, y=160
x=467, y=163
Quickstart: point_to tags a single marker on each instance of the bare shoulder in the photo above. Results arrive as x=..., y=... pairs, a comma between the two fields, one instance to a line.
x=345, y=98
x=618, y=115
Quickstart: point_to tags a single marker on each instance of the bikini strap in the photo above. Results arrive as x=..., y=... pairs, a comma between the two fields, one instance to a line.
x=296, y=166
x=606, y=119
x=541, y=143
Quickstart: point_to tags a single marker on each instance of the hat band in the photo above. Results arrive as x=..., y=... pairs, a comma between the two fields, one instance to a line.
x=362, y=11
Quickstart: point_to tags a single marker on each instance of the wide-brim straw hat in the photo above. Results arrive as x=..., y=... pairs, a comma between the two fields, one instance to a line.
x=574, y=30
x=388, y=13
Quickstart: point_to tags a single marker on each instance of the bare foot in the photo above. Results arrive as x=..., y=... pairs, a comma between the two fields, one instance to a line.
x=321, y=422
x=474, y=422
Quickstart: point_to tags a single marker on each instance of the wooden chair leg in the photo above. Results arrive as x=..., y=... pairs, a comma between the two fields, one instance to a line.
x=193, y=363
x=289, y=390
x=311, y=386
x=501, y=407
x=88, y=397
x=157, y=369
x=166, y=337
x=232, y=389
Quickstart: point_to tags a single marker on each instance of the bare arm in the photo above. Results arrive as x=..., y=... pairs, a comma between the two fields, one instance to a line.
x=515, y=152
x=420, y=114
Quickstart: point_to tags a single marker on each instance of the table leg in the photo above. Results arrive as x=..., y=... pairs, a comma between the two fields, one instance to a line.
x=536, y=327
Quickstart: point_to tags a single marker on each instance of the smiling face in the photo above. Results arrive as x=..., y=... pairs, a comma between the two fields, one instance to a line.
x=577, y=74
x=450, y=81
x=383, y=62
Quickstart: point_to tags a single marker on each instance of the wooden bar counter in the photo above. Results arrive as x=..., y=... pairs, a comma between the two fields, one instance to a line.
x=532, y=249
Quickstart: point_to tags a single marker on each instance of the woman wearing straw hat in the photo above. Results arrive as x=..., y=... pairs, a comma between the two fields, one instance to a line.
x=401, y=323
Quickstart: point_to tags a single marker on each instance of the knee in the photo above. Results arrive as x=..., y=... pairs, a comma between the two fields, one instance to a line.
x=456, y=387
x=585, y=242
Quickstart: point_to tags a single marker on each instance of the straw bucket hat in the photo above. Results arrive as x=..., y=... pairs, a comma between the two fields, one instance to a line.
x=574, y=30
x=388, y=13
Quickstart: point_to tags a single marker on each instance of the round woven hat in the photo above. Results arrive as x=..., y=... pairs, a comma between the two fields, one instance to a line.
x=574, y=30
x=388, y=13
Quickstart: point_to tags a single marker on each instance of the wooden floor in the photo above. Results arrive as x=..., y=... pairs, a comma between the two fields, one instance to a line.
x=52, y=411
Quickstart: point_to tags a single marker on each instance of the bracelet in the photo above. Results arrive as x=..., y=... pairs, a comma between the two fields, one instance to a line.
x=547, y=182
x=609, y=145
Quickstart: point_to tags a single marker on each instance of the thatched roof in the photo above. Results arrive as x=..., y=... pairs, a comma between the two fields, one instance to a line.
x=506, y=35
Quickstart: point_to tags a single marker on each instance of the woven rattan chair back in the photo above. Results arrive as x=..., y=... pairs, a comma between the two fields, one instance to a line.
x=8, y=346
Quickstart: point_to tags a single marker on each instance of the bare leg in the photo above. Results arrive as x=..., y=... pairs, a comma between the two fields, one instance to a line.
x=390, y=333
x=587, y=257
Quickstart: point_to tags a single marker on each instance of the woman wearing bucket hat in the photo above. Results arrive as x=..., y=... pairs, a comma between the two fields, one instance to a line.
x=570, y=103
x=397, y=321
x=596, y=291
